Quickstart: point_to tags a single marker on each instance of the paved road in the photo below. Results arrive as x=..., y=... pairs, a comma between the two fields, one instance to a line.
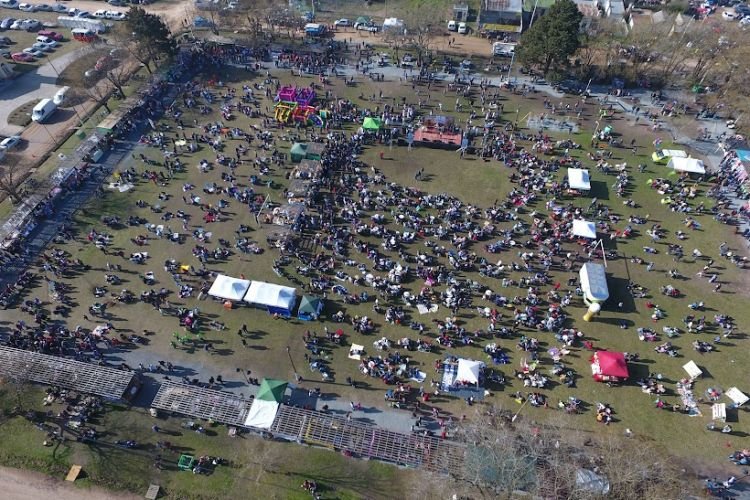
x=38, y=84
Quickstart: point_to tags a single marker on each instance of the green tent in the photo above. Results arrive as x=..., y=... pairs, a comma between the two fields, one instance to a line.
x=271, y=390
x=298, y=152
x=362, y=20
x=309, y=308
x=371, y=123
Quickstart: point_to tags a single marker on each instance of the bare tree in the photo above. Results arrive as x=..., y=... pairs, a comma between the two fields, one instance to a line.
x=423, y=22
x=118, y=76
x=12, y=175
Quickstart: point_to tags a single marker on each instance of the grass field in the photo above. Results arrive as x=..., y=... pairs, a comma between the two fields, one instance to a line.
x=479, y=183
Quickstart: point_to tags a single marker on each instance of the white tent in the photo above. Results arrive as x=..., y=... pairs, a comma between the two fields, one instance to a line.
x=276, y=298
x=468, y=371
x=226, y=287
x=736, y=395
x=261, y=414
x=594, y=282
x=689, y=165
x=584, y=229
x=578, y=178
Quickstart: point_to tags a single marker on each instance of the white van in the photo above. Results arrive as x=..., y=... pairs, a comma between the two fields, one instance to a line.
x=43, y=110
x=9, y=4
x=462, y=28
x=452, y=26
x=59, y=96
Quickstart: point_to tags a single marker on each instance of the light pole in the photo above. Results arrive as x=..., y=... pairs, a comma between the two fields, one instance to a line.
x=289, y=353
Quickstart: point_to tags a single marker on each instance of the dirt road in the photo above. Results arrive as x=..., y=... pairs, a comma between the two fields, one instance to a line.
x=464, y=45
x=17, y=484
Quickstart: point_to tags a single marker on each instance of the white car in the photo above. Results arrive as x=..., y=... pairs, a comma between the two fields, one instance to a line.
x=33, y=52
x=342, y=22
x=366, y=27
x=114, y=15
x=43, y=47
x=58, y=7
x=101, y=14
x=43, y=7
x=83, y=14
x=10, y=142
x=26, y=7
x=462, y=28
x=745, y=21
x=728, y=15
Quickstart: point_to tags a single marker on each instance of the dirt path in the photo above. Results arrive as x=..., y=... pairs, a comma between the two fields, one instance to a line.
x=464, y=45
x=17, y=484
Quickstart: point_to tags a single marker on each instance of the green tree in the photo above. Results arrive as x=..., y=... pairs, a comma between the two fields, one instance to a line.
x=553, y=38
x=147, y=37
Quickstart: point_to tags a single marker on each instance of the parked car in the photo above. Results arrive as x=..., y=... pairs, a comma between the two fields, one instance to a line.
x=452, y=26
x=103, y=63
x=22, y=57
x=34, y=52
x=116, y=3
x=728, y=15
x=26, y=7
x=366, y=27
x=100, y=14
x=90, y=73
x=51, y=34
x=462, y=28
x=115, y=16
x=47, y=42
x=6, y=23
x=10, y=142
x=43, y=7
x=83, y=14
x=342, y=22
x=58, y=7
x=4, y=40
x=43, y=47
x=5, y=53
x=9, y=4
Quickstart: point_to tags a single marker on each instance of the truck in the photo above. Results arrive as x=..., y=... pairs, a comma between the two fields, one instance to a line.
x=503, y=49
x=315, y=29
x=43, y=110
x=95, y=25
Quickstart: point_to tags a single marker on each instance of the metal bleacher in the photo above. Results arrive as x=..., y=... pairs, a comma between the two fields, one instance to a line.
x=368, y=441
x=110, y=383
x=198, y=402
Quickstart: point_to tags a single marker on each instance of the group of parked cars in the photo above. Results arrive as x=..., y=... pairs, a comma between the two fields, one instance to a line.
x=46, y=41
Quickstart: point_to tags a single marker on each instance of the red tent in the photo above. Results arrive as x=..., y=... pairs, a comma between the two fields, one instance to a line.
x=608, y=366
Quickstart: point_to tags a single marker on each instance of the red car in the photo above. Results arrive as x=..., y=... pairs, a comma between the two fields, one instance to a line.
x=22, y=57
x=103, y=63
x=52, y=34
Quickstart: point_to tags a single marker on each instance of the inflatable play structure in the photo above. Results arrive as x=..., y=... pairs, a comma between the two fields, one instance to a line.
x=295, y=104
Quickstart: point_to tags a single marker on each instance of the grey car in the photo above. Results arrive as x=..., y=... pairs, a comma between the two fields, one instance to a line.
x=5, y=23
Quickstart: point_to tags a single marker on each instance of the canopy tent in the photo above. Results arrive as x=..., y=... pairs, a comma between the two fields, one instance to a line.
x=594, y=282
x=609, y=366
x=468, y=371
x=226, y=287
x=578, y=178
x=298, y=152
x=271, y=390
x=261, y=414
x=372, y=124
x=362, y=20
x=689, y=165
x=737, y=396
x=276, y=298
x=309, y=308
x=584, y=229
x=692, y=369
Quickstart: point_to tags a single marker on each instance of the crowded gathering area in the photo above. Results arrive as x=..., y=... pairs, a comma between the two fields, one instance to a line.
x=406, y=250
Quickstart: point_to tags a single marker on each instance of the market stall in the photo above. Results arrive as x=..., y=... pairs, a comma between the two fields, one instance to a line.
x=226, y=287
x=609, y=366
x=276, y=299
x=578, y=179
